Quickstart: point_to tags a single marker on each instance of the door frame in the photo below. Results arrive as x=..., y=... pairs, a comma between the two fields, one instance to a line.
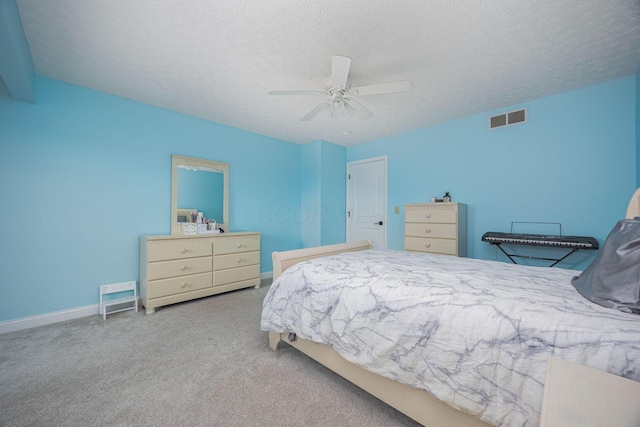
x=386, y=174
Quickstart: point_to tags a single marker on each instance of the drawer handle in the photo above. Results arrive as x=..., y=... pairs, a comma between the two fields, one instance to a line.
x=428, y=230
x=428, y=245
x=183, y=250
x=428, y=215
x=239, y=245
x=183, y=268
x=183, y=285
x=239, y=260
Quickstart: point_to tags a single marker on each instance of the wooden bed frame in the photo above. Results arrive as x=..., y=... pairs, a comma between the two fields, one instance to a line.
x=413, y=402
x=571, y=391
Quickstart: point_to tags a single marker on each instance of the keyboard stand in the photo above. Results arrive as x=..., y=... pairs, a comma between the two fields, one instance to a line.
x=572, y=243
x=556, y=260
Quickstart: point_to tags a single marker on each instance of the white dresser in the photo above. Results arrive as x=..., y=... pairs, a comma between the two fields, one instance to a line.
x=439, y=228
x=178, y=268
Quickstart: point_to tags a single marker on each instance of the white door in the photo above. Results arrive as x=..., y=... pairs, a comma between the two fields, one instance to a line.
x=367, y=201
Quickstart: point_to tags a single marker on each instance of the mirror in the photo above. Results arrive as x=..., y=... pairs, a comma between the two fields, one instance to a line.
x=198, y=185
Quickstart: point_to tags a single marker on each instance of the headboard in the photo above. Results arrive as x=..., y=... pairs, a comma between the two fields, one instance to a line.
x=634, y=205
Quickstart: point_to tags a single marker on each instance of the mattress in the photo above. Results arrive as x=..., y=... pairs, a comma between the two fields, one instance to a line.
x=475, y=334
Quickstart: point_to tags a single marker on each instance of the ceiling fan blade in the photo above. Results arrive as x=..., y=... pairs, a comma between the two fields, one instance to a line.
x=360, y=110
x=381, y=88
x=296, y=92
x=311, y=114
x=340, y=70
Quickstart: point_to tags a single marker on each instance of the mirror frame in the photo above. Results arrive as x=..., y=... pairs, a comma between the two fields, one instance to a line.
x=177, y=160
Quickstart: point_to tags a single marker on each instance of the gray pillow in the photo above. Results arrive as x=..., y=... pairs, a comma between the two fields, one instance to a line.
x=613, y=277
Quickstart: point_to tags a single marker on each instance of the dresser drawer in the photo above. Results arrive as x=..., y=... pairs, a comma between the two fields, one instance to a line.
x=178, y=285
x=183, y=267
x=441, y=231
x=236, y=274
x=431, y=215
x=222, y=262
x=232, y=246
x=178, y=249
x=437, y=246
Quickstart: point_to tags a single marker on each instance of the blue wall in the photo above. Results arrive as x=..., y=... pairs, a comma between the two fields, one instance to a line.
x=324, y=193
x=574, y=162
x=85, y=174
x=311, y=189
x=17, y=74
x=334, y=193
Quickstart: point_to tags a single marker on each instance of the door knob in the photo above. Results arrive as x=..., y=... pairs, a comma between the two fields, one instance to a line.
x=378, y=223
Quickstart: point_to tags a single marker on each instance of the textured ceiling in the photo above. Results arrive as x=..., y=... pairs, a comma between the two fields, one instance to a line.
x=218, y=59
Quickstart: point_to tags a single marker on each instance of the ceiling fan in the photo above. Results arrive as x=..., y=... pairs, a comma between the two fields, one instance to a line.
x=340, y=102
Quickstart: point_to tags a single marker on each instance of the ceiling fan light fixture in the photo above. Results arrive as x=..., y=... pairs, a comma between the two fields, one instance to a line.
x=339, y=110
x=340, y=103
x=337, y=100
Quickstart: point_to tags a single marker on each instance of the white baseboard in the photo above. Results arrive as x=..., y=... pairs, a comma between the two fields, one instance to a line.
x=61, y=316
x=48, y=318
x=266, y=275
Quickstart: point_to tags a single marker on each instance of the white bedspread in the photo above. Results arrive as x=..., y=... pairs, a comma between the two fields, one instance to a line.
x=476, y=334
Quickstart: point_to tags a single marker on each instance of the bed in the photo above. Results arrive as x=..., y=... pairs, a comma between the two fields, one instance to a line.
x=445, y=340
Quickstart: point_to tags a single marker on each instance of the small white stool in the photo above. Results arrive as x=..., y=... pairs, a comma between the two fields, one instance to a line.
x=115, y=288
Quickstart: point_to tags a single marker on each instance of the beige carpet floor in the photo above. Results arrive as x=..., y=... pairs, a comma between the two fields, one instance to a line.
x=199, y=363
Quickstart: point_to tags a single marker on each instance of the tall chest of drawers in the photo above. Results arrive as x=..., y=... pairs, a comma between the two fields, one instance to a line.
x=178, y=268
x=439, y=228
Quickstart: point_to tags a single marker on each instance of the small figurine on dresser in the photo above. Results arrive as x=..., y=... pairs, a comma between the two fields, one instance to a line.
x=447, y=197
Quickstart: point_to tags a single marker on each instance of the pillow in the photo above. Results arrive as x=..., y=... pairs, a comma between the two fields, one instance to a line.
x=613, y=277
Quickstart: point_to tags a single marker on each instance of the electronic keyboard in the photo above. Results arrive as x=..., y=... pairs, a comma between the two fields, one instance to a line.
x=577, y=242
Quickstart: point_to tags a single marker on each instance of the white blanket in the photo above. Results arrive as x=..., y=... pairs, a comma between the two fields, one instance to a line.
x=475, y=334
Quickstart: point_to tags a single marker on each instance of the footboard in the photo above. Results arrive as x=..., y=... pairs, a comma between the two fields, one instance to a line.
x=413, y=402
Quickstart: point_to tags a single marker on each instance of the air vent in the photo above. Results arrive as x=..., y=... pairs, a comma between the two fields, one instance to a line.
x=508, y=119
x=497, y=121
